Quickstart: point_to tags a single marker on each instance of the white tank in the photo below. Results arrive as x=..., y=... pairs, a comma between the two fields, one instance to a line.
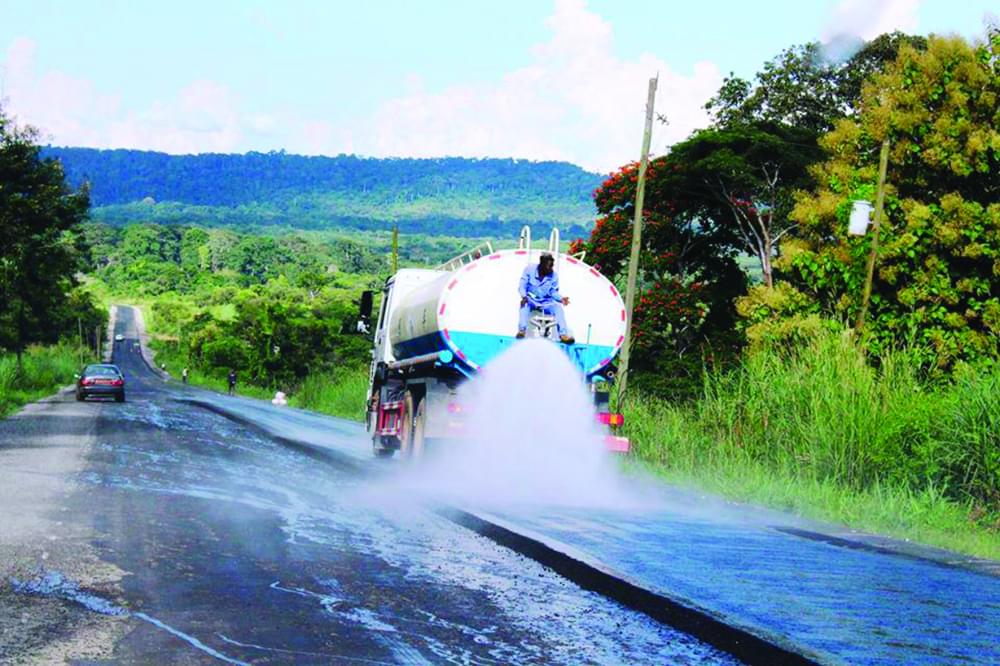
x=473, y=312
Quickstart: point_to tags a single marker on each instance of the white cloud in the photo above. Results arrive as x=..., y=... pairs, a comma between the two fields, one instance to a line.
x=868, y=19
x=202, y=118
x=58, y=104
x=575, y=101
x=68, y=110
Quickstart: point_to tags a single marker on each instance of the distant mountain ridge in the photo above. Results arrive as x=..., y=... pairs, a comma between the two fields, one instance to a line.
x=445, y=196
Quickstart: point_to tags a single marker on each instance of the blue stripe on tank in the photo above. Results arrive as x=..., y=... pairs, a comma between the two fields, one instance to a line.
x=481, y=348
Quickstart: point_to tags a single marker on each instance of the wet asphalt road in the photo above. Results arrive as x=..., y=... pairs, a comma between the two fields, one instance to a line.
x=208, y=542
x=235, y=548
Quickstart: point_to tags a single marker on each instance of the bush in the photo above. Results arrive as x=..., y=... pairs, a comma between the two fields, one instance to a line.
x=824, y=415
x=44, y=369
x=341, y=393
x=967, y=439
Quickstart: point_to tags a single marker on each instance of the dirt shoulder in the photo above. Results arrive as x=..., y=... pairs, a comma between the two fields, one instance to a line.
x=42, y=450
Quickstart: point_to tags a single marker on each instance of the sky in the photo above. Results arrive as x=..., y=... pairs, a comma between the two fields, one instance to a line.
x=529, y=79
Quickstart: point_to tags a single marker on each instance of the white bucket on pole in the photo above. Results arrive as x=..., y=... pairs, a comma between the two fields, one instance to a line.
x=860, y=216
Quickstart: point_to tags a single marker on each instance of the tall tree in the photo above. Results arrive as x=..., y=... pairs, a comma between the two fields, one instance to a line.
x=809, y=86
x=688, y=277
x=740, y=181
x=938, y=278
x=39, y=253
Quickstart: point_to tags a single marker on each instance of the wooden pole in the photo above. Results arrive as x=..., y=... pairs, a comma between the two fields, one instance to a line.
x=633, y=262
x=395, y=248
x=883, y=164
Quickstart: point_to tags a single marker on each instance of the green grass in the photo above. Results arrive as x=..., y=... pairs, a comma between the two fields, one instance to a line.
x=340, y=393
x=824, y=435
x=44, y=370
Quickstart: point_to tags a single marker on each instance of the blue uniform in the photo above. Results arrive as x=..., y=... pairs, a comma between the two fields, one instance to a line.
x=543, y=295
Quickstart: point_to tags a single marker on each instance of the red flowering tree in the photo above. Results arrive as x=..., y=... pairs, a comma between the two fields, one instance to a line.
x=684, y=313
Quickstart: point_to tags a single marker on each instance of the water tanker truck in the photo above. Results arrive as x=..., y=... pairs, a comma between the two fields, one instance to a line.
x=436, y=328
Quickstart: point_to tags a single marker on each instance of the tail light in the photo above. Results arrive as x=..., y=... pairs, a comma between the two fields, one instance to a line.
x=611, y=419
x=87, y=381
x=455, y=408
x=118, y=382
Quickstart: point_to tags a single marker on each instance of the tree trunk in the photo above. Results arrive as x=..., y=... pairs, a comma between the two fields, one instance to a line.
x=19, y=341
x=766, y=262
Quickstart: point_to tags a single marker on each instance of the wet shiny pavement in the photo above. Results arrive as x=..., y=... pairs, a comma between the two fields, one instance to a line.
x=240, y=549
x=839, y=602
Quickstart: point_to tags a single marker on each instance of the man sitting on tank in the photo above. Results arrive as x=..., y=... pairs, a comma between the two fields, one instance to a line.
x=539, y=289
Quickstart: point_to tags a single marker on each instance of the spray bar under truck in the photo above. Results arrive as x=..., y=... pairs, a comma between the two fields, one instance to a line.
x=437, y=327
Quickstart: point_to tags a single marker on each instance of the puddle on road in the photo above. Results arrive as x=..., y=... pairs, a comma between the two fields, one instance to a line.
x=55, y=585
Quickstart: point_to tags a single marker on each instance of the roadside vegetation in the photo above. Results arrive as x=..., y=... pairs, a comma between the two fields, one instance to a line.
x=276, y=309
x=43, y=370
x=338, y=393
x=45, y=316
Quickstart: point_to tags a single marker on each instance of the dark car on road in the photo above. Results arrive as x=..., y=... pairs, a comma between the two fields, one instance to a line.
x=101, y=379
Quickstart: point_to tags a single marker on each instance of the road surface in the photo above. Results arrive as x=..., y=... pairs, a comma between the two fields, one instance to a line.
x=156, y=531
x=163, y=530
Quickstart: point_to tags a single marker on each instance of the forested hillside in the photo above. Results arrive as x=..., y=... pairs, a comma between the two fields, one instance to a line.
x=456, y=196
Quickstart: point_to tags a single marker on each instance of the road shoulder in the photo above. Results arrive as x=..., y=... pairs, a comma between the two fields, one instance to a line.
x=42, y=449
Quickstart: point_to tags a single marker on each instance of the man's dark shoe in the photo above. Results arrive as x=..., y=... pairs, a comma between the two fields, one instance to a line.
x=520, y=335
x=567, y=339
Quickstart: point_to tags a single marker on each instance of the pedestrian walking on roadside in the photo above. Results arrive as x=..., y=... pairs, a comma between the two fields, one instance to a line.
x=184, y=375
x=232, y=382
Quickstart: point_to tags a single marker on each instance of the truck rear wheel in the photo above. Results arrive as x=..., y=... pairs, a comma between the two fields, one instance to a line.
x=406, y=428
x=419, y=422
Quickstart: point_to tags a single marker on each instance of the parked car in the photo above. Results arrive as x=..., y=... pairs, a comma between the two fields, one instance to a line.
x=119, y=337
x=101, y=379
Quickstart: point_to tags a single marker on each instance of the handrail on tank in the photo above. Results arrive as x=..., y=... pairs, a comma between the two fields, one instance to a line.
x=466, y=257
x=524, y=240
x=554, y=243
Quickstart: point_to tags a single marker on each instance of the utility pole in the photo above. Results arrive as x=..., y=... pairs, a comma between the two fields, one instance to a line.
x=883, y=164
x=633, y=262
x=395, y=248
x=82, y=342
